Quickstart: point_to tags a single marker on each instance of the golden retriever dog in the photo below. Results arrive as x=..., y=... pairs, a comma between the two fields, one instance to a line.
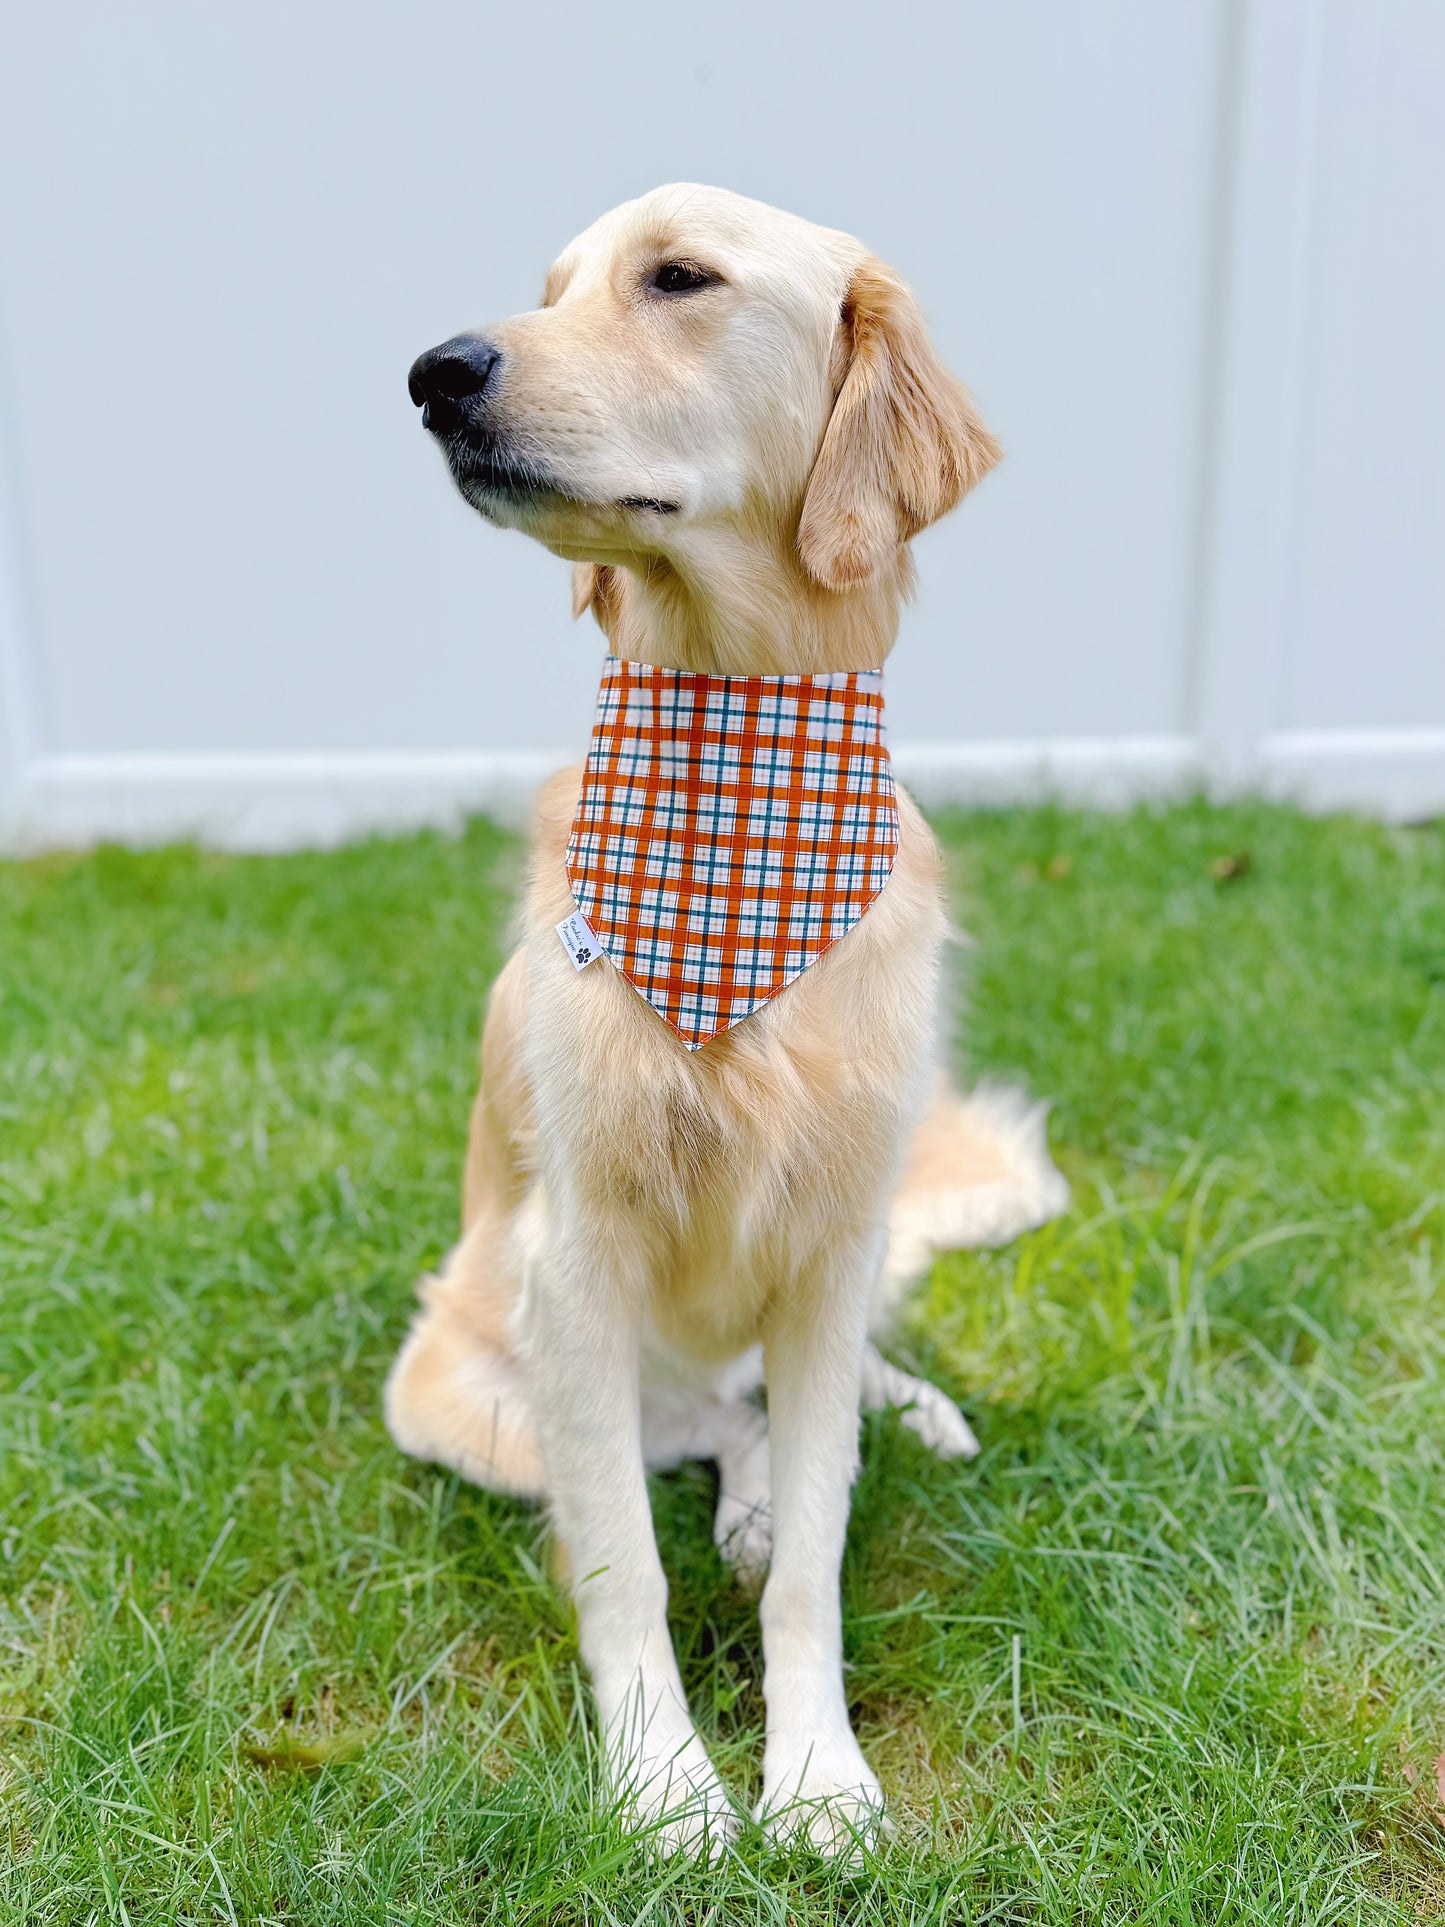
x=731, y=422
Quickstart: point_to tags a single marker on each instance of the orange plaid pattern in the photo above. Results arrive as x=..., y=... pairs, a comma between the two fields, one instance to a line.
x=730, y=829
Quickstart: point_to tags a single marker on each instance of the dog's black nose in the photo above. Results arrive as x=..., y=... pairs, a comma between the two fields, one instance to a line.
x=445, y=379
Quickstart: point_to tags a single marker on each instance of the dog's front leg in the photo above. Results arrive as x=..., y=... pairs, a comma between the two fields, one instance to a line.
x=816, y=1783
x=581, y=1321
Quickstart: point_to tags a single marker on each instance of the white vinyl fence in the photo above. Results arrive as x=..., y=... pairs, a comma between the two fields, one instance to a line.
x=1191, y=257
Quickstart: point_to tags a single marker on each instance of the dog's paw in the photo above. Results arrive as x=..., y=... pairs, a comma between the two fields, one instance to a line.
x=698, y=1823
x=743, y=1533
x=935, y=1419
x=830, y=1802
x=674, y=1800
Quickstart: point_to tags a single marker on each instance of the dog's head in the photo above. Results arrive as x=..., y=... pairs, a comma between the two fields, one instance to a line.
x=699, y=363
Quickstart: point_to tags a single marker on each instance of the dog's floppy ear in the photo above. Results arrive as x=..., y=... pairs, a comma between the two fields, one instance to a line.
x=903, y=445
x=594, y=587
x=584, y=587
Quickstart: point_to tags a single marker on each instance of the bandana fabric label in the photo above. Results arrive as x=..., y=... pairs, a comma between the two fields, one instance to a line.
x=730, y=829
x=579, y=940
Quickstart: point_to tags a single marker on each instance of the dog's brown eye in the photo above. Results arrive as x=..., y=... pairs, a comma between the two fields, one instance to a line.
x=681, y=277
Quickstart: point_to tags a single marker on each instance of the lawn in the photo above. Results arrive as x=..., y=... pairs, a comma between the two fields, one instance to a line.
x=1172, y=1650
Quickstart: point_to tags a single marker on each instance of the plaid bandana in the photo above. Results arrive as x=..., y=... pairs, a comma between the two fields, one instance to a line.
x=730, y=829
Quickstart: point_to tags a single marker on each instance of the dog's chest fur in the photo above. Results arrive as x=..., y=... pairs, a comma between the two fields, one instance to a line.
x=735, y=1173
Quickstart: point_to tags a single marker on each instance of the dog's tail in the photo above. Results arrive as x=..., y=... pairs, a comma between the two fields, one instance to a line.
x=978, y=1172
x=456, y=1394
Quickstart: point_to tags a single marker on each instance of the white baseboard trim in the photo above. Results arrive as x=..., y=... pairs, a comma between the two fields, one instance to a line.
x=1099, y=772
x=268, y=802
x=1398, y=774
x=285, y=802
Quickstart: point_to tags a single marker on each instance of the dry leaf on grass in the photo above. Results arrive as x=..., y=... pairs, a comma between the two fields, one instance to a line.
x=1412, y=1778
x=306, y=1756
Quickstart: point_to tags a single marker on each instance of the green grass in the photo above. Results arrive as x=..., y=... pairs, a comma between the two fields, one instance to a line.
x=1172, y=1651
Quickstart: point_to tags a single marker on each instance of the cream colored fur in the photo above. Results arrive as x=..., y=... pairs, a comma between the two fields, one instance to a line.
x=651, y=1234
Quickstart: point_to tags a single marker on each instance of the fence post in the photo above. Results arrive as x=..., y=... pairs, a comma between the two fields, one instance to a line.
x=1252, y=385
